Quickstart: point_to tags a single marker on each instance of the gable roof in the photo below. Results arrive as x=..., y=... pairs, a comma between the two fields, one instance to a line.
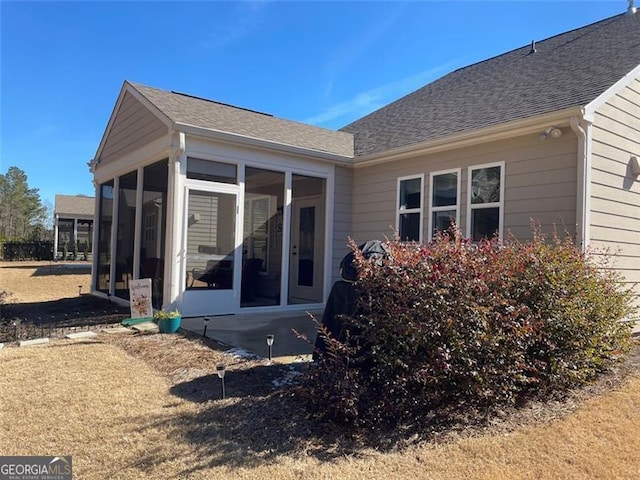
x=187, y=110
x=567, y=70
x=74, y=205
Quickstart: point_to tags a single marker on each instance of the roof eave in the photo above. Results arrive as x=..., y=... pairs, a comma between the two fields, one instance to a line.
x=466, y=138
x=237, y=138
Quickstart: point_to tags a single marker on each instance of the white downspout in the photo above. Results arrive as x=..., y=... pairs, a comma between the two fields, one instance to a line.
x=583, y=130
x=174, y=235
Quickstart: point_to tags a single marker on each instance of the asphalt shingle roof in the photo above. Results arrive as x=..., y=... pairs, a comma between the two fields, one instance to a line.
x=199, y=112
x=73, y=205
x=567, y=70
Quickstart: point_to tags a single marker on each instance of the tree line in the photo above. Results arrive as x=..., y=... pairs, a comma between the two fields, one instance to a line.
x=23, y=216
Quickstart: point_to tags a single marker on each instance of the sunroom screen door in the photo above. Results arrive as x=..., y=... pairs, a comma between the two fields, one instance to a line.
x=210, y=253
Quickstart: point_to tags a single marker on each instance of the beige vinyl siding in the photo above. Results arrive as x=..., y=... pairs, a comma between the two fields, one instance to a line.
x=540, y=183
x=133, y=127
x=615, y=195
x=341, y=218
x=206, y=232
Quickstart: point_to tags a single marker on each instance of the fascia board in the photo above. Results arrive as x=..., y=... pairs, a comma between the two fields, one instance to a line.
x=502, y=131
x=613, y=90
x=238, y=139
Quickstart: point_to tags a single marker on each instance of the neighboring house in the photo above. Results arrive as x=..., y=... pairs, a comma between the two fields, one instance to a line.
x=73, y=222
x=231, y=210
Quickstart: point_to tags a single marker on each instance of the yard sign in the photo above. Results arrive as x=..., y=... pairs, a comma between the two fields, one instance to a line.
x=140, y=298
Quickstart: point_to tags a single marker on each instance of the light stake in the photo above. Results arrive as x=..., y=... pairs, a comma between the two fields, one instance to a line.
x=220, y=370
x=270, y=338
x=79, y=290
x=206, y=324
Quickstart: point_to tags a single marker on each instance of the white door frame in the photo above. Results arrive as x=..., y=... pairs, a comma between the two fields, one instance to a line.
x=316, y=290
x=206, y=301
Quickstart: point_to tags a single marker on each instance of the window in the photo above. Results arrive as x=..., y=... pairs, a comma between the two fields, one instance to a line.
x=409, y=221
x=444, y=202
x=485, y=202
x=211, y=171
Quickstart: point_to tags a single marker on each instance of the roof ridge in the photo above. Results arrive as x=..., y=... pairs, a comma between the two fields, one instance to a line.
x=174, y=92
x=220, y=103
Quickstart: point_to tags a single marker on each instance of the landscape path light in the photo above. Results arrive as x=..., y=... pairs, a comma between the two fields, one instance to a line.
x=221, y=369
x=206, y=324
x=270, y=339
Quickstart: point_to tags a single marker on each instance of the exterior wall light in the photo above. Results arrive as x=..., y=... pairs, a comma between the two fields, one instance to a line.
x=551, y=132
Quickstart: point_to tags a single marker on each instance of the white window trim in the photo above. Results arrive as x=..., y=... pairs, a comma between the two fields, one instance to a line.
x=420, y=210
x=432, y=209
x=499, y=204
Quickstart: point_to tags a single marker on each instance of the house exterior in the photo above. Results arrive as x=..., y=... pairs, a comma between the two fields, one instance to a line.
x=230, y=210
x=72, y=223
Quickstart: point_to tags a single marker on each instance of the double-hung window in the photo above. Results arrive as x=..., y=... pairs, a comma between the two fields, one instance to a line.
x=444, y=200
x=409, y=219
x=485, y=201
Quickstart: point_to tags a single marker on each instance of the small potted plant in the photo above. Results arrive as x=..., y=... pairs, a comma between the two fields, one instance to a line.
x=168, y=320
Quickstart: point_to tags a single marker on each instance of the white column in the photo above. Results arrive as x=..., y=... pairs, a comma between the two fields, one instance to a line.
x=174, y=260
x=55, y=236
x=114, y=235
x=94, y=232
x=75, y=232
x=137, y=239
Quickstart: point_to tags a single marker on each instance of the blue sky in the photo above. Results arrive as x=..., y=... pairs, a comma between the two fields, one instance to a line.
x=62, y=64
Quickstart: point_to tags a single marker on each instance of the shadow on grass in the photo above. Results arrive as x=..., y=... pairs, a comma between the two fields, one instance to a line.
x=248, y=430
x=53, y=269
x=66, y=269
x=252, y=431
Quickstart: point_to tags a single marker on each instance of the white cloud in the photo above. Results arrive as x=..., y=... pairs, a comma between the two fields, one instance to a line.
x=366, y=102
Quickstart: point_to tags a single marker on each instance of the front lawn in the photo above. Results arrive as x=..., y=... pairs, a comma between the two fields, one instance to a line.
x=149, y=407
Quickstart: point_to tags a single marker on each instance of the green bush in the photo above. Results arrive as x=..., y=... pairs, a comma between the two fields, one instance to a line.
x=456, y=325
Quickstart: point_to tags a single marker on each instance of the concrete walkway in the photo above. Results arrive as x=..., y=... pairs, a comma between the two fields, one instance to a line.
x=249, y=331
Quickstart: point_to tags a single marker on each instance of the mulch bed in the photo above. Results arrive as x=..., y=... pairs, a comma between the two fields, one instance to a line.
x=55, y=318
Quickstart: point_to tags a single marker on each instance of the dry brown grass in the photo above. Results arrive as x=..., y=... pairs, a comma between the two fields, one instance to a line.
x=148, y=407
x=43, y=281
x=149, y=416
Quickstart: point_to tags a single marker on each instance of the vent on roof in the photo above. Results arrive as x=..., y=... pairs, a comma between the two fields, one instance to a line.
x=632, y=8
x=221, y=103
x=533, y=47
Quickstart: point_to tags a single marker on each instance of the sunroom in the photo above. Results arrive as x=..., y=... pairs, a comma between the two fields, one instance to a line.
x=224, y=209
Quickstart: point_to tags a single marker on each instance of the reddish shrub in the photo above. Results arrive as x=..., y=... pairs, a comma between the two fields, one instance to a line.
x=456, y=324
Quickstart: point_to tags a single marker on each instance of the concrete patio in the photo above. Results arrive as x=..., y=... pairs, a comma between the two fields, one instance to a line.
x=249, y=332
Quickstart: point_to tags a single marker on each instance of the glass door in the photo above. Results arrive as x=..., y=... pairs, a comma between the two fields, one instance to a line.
x=210, y=252
x=307, y=248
